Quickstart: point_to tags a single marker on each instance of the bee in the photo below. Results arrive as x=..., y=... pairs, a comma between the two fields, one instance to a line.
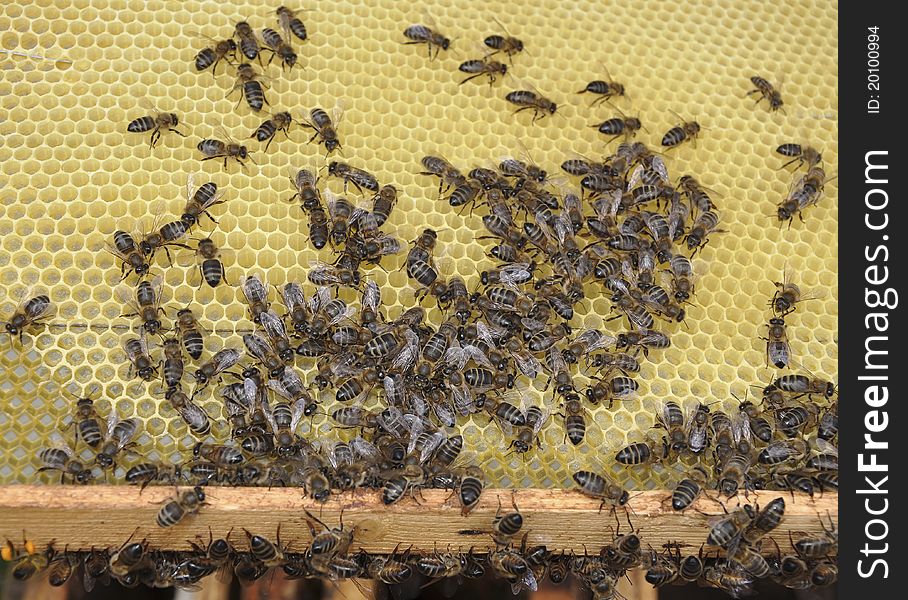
x=222, y=50
x=217, y=364
x=645, y=339
x=86, y=421
x=640, y=453
x=200, y=200
x=341, y=211
x=61, y=568
x=264, y=551
x=146, y=473
x=290, y=23
x=173, y=363
x=787, y=296
x=506, y=43
x=212, y=148
x=506, y=526
x=597, y=486
x=696, y=193
x=307, y=191
x=686, y=130
x=186, y=503
x=750, y=560
x=145, y=301
x=614, y=360
x=400, y=481
x=359, y=178
x=323, y=274
x=119, y=435
x=220, y=455
x=803, y=155
x=818, y=546
x=264, y=352
x=470, y=489
x=141, y=364
x=318, y=227
x=734, y=473
x=767, y=92
x=156, y=124
x=268, y=129
x=279, y=47
x=382, y=204
x=530, y=100
x=62, y=458
x=448, y=175
x=828, y=426
x=126, y=249
x=698, y=236
x=682, y=277
x=277, y=333
x=192, y=414
x=29, y=561
x=611, y=389
x=802, y=384
x=528, y=434
x=284, y=419
x=211, y=267
x=778, y=352
x=604, y=89
x=476, y=68
x=249, y=45
x=388, y=569
x=688, y=489
x=29, y=313
x=765, y=521
x=420, y=34
x=726, y=530
x=620, y=126
x=256, y=297
x=190, y=333
x=251, y=88
x=807, y=192
x=824, y=573
x=324, y=127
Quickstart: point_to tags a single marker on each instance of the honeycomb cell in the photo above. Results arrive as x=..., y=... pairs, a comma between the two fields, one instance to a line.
x=75, y=176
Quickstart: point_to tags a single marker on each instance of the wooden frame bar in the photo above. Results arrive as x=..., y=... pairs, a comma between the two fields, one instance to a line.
x=82, y=517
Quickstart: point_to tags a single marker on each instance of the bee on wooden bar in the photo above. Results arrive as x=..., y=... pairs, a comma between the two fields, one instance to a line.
x=155, y=123
x=596, y=486
x=268, y=129
x=767, y=92
x=421, y=34
x=179, y=507
x=31, y=311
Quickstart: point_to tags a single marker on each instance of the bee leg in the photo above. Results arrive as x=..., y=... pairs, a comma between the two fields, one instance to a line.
x=469, y=78
x=270, y=139
x=178, y=132
x=155, y=136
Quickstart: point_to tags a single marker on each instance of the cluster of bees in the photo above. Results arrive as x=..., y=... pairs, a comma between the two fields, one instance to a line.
x=621, y=226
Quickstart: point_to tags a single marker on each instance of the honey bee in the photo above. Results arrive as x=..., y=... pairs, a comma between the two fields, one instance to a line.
x=698, y=236
x=173, y=365
x=200, y=200
x=190, y=333
x=778, y=351
x=421, y=34
x=29, y=561
x=324, y=127
x=359, y=178
x=506, y=43
x=685, y=131
x=767, y=92
x=290, y=23
x=249, y=45
x=620, y=126
x=222, y=50
x=212, y=148
x=448, y=175
x=803, y=155
x=290, y=386
x=597, y=486
x=146, y=473
x=726, y=530
x=156, y=124
x=469, y=490
x=145, y=301
x=807, y=192
x=262, y=349
x=256, y=297
x=61, y=568
x=819, y=546
x=141, y=364
x=126, y=249
x=210, y=263
x=61, y=458
x=31, y=311
x=278, y=47
x=803, y=384
x=268, y=129
x=476, y=68
x=604, y=89
x=788, y=295
x=527, y=435
x=119, y=436
x=531, y=100
x=191, y=413
x=688, y=489
x=220, y=455
x=217, y=364
x=177, y=508
x=251, y=89
x=305, y=183
x=382, y=204
x=318, y=227
x=639, y=453
x=644, y=339
x=86, y=421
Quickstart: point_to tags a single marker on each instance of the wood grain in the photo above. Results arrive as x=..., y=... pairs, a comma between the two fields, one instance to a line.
x=100, y=516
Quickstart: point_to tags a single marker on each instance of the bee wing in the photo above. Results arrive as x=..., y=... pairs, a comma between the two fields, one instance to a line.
x=226, y=358
x=478, y=356
x=293, y=296
x=463, y=400
x=556, y=361
x=58, y=443
x=278, y=388
x=126, y=294
x=541, y=421
x=408, y=354
x=363, y=448
x=253, y=289
x=444, y=414
x=455, y=356
x=320, y=298
x=527, y=363
x=273, y=325
x=371, y=295
x=594, y=339
x=606, y=206
x=337, y=113
x=257, y=346
x=299, y=407
x=659, y=167
x=487, y=333
x=429, y=449
x=826, y=447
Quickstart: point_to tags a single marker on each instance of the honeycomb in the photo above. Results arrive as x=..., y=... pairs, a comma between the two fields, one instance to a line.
x=75, y=72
